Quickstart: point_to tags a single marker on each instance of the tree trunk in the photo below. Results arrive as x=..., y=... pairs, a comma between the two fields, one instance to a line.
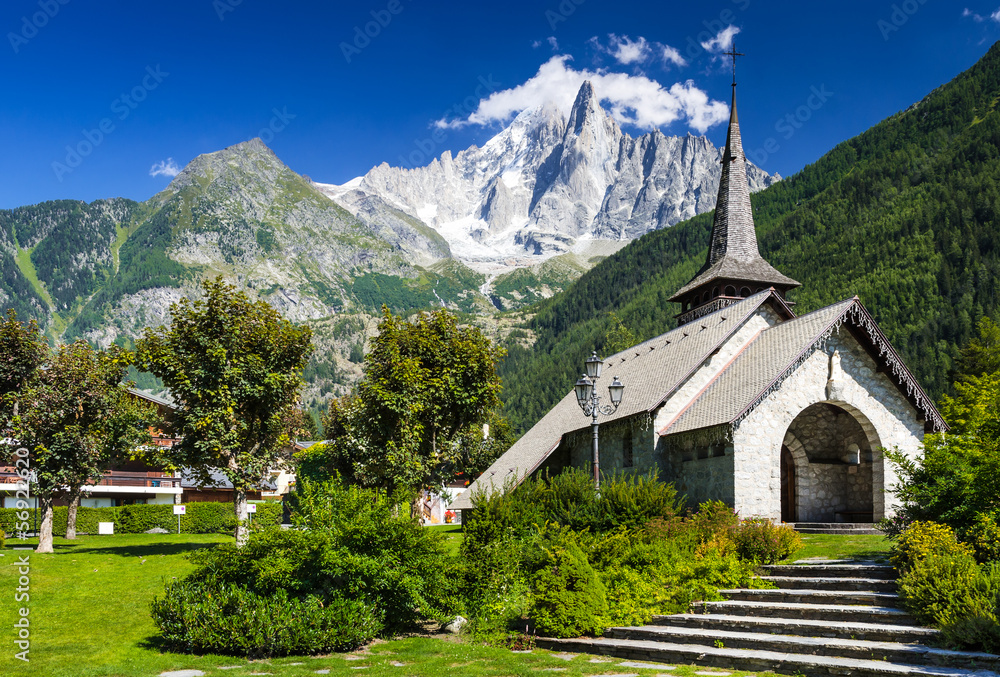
x=242, y=526
x=71, y=515
x=45, y=530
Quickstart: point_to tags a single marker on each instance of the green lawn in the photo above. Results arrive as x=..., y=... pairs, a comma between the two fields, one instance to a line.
x=90, y=618
x=843, y=547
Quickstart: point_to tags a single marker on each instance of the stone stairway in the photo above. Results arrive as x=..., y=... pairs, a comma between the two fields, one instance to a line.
x=830, y=618
x=840, y=528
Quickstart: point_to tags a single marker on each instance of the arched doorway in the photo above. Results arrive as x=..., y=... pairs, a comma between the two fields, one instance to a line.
x=827, y=465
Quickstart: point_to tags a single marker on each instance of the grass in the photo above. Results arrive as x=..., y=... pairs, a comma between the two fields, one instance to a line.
x=89, y=613
x=452, y=534
x=833, y=546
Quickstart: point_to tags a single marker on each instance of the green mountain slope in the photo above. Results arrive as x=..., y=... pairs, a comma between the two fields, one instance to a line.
x=905, y=215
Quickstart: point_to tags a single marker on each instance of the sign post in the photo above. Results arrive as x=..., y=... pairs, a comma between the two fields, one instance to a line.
x=251, y=509
x=179, y=510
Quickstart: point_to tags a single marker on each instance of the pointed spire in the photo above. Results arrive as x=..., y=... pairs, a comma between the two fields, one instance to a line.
x=734, y=260
x=733, y=232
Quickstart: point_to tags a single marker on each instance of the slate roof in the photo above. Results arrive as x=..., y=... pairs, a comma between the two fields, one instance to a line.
x=733, y=252
x=773, y=353
x=651, y=372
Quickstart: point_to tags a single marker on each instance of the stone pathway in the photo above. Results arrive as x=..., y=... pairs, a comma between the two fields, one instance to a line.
x=825, y=618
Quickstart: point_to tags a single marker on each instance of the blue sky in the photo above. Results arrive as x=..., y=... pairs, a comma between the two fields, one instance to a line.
x=130, y=87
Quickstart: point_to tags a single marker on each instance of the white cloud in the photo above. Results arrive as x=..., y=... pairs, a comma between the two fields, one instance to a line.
x=979, y=18
x=553, y=43
x=165, y=168
x=536, y=44
x=722, y=41
x=672, y=55
x=626, y=51
x=632, y=99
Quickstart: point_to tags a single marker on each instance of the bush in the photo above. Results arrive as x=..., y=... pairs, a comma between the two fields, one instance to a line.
x=569, y=599
x=923, y=539
x=936, y=589
x=761, y=541
x=201, y=518
x=230, y=619
x=361, y=556
x=984, y=537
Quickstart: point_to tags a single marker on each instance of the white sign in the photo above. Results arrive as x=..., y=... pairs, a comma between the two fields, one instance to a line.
x=251, y=507
x=180, y=509
x=105, y=528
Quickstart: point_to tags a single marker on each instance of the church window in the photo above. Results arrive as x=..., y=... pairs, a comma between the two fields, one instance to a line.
x=715, y=292
x=627, y=450
x=745, y=291
x=730, y=290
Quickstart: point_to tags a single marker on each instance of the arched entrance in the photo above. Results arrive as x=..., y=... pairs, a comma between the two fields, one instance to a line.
x=827, y=465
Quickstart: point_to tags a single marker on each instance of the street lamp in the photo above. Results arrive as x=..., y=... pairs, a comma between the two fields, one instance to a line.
x=590, y=402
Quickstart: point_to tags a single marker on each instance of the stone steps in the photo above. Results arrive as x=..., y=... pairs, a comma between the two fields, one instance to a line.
x=749, y=659
x=880, y=632
x=851, y=584
x=916, y=654
x=812, y=612
x=825, y=618
x=814, y=597
x=839, y=528
x=880, y=571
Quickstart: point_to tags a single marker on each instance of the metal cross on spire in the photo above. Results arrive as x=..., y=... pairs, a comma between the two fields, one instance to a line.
x=733, y=53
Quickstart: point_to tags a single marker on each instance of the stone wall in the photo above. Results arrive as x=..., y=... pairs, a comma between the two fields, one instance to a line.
x=850, y=381
x=576, y=448
x=700, y=465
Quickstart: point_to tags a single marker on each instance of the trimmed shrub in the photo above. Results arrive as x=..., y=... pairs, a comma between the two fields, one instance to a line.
x=201, y=518
x=984, y=537
x=229, y=619
x=936, y=589
x=569, y=598
x=923, y=539
x=762, y=541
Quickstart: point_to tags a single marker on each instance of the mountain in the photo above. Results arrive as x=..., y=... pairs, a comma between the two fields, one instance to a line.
x=549, y=185
x=906, y=215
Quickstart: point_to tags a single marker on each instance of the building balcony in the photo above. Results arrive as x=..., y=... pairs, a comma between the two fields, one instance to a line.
x=114, y=482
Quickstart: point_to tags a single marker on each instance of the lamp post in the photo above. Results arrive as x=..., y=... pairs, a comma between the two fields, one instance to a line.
x=590, y=402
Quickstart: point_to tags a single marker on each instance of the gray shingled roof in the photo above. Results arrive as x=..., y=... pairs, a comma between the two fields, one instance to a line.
x=733, y=252
x=774, y=352
x=651, y=371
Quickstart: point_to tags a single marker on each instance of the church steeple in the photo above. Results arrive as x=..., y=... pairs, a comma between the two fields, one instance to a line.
x=734, y=269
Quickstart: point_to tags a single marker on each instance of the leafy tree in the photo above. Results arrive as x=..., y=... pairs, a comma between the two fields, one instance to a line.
x=957, y=480
x=234, y=367
x=427, y=384
x=77, y=419
x=619, y=337
x=982, y=354
x=22, y=351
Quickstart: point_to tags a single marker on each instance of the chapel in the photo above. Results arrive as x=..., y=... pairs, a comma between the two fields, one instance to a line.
x=778, y=415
